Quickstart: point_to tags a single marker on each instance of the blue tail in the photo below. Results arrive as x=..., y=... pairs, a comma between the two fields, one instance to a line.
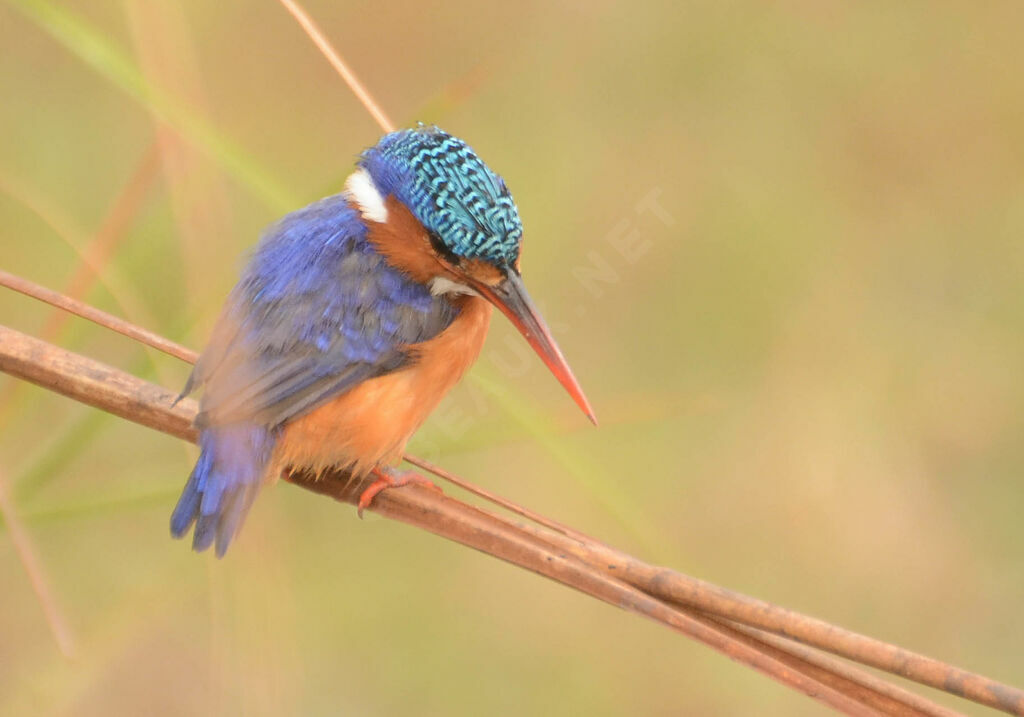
x=231, y=467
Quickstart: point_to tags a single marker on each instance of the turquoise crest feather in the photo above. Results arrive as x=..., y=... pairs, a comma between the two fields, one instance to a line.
x=450, y=190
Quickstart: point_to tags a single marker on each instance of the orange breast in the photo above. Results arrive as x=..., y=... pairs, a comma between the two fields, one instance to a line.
x=370, y=424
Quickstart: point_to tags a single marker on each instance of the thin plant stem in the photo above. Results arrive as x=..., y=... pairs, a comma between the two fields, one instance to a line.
x=658, y=593
x=33, y=568
x=339, y=65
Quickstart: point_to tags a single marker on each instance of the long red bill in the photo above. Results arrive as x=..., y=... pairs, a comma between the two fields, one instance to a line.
x=512, y=300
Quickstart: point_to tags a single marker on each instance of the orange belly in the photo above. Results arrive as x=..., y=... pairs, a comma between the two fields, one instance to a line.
x=370, y=424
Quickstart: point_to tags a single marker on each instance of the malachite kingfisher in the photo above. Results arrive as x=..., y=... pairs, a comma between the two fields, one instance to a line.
x=352, y=319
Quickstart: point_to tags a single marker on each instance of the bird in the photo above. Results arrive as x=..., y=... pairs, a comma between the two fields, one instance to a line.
x=351, y=320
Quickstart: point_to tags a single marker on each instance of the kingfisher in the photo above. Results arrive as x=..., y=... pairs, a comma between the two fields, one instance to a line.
x=353, y=317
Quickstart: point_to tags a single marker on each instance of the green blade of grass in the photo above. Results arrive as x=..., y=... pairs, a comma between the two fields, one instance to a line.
x=590, y=476
x=111, y=505
x=89, y=45
x=56, y=454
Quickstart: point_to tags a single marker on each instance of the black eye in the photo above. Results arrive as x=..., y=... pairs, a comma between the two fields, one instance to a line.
x=442, y=249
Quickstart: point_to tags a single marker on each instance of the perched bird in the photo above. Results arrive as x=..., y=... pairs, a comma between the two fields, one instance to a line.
x=352, y=319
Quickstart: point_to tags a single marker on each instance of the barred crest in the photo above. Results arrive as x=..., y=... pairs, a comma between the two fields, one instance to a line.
x=450, y=190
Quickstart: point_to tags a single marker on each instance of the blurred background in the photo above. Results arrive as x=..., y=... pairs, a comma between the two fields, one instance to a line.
x=780, y=244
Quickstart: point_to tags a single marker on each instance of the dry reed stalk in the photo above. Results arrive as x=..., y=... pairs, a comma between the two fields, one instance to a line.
x=698, y=609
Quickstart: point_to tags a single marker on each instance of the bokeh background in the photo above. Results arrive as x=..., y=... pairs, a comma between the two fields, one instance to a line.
x=779, y=242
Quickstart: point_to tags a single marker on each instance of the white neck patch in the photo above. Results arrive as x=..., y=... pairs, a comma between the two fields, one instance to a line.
x=442, y=285
x=361, y=188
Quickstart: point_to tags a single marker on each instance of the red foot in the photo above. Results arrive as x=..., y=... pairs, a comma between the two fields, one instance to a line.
x=390, y=478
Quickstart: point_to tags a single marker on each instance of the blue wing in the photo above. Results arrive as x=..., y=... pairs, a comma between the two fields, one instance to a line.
x=316, y=312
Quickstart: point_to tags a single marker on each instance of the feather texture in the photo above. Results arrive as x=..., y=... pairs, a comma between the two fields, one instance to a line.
x=223, y=484
x=318, y=311
x=450, y=190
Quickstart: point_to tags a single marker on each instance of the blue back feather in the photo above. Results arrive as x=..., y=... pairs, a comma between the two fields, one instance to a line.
x=317, y=310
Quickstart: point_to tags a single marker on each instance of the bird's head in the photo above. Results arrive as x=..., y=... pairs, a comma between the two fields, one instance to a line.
x=438, y=213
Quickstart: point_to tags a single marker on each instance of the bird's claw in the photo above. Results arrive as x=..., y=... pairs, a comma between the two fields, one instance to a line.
x=391, y=479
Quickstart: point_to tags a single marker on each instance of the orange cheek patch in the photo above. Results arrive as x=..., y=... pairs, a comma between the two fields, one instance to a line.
x=404, y=243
